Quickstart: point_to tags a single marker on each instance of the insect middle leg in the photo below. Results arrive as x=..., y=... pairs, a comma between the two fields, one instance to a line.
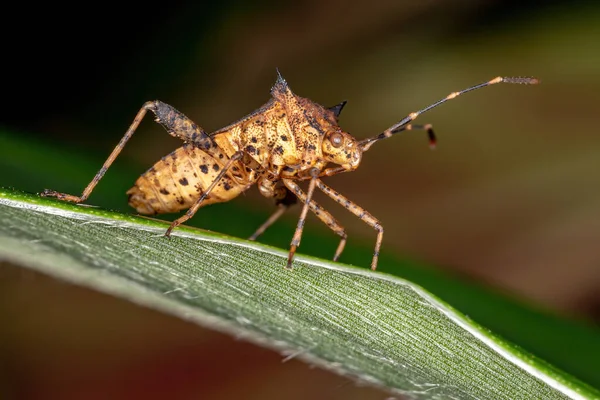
x=322, y=214
x=281, y=208
x=173, y=121
x=284, y=200
x=360, y=213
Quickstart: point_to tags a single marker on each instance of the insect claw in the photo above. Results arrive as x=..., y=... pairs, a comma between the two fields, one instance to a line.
x=53, y=193
x=290, y=262
x=168, y=232
x=290, y=259
x=62, y=196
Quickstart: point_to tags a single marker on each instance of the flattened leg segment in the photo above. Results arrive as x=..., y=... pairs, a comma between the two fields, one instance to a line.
x=180, y=126
x=173, y=121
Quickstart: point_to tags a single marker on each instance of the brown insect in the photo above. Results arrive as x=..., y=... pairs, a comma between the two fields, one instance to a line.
x=287, y=140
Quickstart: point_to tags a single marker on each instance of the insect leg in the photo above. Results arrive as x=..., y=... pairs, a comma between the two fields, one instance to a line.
x=272, y=219
x=173, y=121
x=180, y=126
x=192, y=210
x=285, y=200
x=360, y=213
x=86, y=192
x=300, y=227
x=322, y=214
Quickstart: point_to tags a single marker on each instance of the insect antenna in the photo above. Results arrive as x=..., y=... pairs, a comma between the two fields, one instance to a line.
x=404, y=124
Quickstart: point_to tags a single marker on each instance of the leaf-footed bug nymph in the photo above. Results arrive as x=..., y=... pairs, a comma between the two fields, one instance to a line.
x=288, y=140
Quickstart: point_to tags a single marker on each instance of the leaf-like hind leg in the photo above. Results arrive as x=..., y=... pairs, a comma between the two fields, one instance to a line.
x=322, y=214
x=173, y=121
x=194, y=208
x=360, y=213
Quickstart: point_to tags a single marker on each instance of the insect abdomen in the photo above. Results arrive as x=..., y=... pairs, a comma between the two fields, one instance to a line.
x=179, y=179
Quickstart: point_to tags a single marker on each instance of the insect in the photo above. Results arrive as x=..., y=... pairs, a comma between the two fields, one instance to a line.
x=288, y=140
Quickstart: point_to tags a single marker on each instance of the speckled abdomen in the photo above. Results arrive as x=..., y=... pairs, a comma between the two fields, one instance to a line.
x=178, y=180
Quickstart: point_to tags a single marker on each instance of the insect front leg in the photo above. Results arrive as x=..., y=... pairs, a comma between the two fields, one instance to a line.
x=322, y=214
x=300, y=227
x=360, y=213
x=194, y=208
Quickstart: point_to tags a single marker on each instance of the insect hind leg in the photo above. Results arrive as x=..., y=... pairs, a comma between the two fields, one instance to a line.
x=174, y=122
x=180, y=126
x=111, y=158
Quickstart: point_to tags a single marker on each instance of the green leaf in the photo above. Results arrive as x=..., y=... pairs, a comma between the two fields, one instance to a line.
x=378, y=328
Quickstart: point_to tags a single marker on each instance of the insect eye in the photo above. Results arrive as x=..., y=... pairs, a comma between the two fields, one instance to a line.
x=336, y=139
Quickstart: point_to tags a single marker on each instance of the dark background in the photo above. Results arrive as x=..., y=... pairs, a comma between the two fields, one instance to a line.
x=509, y=199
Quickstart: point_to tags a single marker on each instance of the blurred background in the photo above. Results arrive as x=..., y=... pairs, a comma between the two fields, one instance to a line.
x=508, y=202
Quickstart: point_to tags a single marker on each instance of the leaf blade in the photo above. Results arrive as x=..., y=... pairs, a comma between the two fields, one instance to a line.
x=377, y=327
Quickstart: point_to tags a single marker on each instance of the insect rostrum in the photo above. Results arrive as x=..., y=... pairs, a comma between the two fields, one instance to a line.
x=287, y=140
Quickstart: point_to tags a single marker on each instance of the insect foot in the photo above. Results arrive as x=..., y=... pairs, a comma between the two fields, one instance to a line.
x=285, y=142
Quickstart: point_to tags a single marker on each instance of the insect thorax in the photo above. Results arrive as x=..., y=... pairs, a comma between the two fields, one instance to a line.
x=284, y=140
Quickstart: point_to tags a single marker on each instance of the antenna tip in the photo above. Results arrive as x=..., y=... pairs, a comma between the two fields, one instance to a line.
x=521, y=80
